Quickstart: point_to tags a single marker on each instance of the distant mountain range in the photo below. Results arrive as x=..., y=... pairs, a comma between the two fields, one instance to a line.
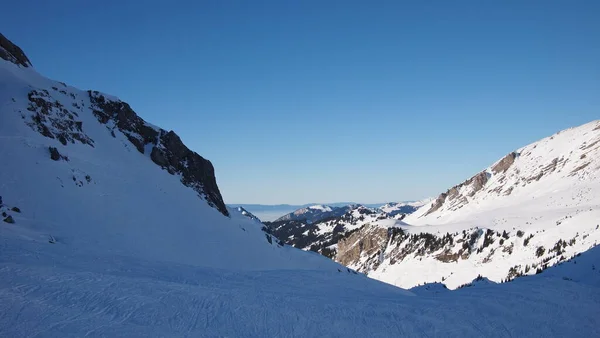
x=271, y=212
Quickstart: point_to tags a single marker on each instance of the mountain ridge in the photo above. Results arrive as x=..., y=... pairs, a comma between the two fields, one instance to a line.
x=13, y=53
x=529, y=210
x=83, y=171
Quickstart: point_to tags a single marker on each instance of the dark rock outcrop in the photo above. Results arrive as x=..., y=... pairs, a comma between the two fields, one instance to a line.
x=51, y=119
x=54, y=154
x=439, y=201
x=476, y=182
x=12, y=53
x=168, y=151
x=126, y=120
x=505, y=163
x=363, y=242
x=196, y=171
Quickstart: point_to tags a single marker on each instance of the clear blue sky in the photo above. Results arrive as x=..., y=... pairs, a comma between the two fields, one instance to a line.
x=322, y=101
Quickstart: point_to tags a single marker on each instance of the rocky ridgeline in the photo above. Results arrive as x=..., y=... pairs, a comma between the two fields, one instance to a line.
x=525, y=167
x=12, y=53
x=49, y=114
x=168, y=151
x=51, y=118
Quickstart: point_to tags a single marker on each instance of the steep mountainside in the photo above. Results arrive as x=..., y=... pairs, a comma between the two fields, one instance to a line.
x=537, y=206
x=82, y=171
x=13, y=53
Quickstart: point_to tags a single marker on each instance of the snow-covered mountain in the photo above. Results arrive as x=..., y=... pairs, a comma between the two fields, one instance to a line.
x=83, y=172
x=271, y=212
x=395, y=208
x=112, y=227
x=321, y=228
x=315, y=213
x=246, y=213
x=537, y=206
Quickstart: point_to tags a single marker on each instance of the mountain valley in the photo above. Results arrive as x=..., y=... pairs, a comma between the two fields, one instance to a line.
x=112, y=226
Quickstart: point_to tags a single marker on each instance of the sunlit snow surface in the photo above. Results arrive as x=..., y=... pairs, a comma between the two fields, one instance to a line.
x=550, y=193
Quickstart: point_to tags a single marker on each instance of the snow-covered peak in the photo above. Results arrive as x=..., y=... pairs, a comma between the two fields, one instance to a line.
x=243, y=212
x=313, y=213
x=395, y=208
x=566, y=161
x=84, y=173
x=320, y=207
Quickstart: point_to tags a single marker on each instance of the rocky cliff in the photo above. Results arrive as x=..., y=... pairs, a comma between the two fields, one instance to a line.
x=12, y=53
x=56, y=112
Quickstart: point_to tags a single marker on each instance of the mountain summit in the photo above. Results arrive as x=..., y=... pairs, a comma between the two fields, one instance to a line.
x=12, y=53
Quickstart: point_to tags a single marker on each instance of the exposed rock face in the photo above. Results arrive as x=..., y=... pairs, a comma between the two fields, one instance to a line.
x=453, y=194
x=168, y=151
x=437, y=203
x=48, y=116
x=52, y=119
x=369, y=242
x=196, y=172
x=12, y=53
x=505, y=163
x=124, y=118
x=54, y=154
x=323, y=235
x=477, y=182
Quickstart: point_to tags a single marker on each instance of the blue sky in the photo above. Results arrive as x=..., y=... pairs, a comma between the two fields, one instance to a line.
x=323, y=101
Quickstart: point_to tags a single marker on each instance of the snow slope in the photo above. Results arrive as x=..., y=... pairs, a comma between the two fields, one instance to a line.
x=537, y=206
x=45, y=291
x=106, y=197
x=560, y=171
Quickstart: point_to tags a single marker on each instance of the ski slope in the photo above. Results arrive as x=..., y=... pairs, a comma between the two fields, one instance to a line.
x=45, y=291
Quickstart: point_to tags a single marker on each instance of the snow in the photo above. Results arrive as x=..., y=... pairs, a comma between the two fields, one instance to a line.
x=46, y=291
x=130, y=207
x=571, y=148
x=394, y=206
x=563, y=204
x=319, y=207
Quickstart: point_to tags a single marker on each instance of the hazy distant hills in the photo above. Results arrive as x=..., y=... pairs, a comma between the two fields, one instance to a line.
x=270, y=212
